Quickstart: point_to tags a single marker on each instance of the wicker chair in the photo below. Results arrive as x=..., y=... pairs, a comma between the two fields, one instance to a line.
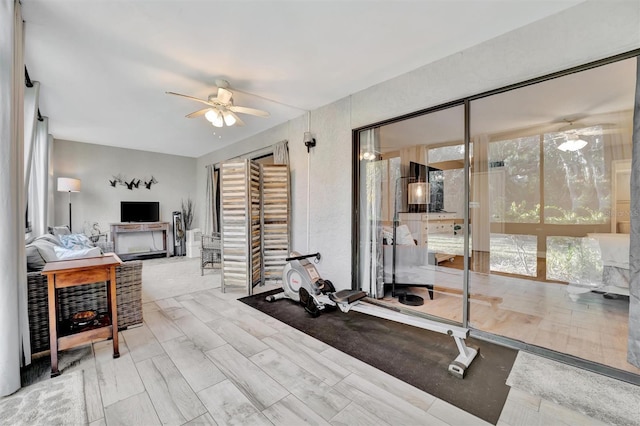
x=81, y=298
x=210, y=252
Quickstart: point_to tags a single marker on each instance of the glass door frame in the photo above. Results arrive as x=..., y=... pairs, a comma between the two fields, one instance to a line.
x=495, y=338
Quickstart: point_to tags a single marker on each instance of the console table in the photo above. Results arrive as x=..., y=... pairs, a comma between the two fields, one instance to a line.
x=71, y=273
x=130, y=227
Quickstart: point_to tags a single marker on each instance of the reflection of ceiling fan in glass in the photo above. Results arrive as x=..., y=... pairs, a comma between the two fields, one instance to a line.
x=571, y=136
x=220, y=109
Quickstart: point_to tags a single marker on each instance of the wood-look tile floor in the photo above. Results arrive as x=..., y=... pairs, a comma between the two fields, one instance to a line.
x=587, y=326
x=203, y=358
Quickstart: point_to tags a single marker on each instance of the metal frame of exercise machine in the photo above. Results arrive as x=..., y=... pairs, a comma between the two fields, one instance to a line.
x=302, y=283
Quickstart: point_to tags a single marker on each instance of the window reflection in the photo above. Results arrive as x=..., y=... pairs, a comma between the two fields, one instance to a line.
x=577, y=187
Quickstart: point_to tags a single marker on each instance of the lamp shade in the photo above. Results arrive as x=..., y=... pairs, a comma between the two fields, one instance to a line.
x=418, y=193
x=68, y=184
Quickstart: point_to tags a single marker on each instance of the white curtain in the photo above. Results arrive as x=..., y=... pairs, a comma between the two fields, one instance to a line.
x=281, y=153
x=31, y=98
x=633, y=353
x=211, y=213
x=372, y=174
x=39, y=181
x=14, y=342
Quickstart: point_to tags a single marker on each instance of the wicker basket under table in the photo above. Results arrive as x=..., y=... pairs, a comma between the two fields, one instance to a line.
x=82, y=298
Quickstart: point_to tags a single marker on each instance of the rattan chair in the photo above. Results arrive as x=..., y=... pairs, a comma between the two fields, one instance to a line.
x=210, y=252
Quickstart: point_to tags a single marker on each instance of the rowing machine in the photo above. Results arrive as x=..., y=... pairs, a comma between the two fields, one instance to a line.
x=302, y=283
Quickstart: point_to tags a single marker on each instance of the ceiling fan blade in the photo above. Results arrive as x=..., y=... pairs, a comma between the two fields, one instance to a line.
x=238, y=121
x=198, y=113
x=250, y=111
x=189, y=97
x=224, y=96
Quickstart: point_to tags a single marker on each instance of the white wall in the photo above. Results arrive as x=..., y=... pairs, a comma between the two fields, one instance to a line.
x=590, y=31
x=95, y=165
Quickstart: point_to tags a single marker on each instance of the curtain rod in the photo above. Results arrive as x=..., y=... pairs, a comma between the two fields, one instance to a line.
x=264, y=150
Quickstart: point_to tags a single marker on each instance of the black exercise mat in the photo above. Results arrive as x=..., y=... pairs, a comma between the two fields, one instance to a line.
x=413, y=355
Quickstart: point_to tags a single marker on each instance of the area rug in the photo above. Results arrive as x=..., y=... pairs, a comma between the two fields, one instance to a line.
x=58, y=401
x=608, y=400
x=413, y=355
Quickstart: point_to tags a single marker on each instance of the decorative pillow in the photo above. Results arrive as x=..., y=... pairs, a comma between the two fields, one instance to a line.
x=35, y=262
x=59, y=230
x=404, y=236
x=76, y=241
x=46, y=248
x=387, y=234
x=48, y=237
x=67, y=254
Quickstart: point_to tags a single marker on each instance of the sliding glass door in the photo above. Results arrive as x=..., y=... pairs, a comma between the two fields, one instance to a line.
x=523, y=234
x=411, y=195
x=549, y=207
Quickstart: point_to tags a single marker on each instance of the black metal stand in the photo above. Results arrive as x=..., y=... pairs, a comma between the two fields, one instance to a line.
x=404, y=298
x=70, y=211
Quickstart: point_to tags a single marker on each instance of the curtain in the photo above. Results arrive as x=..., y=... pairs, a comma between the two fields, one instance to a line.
x=211, y=213
x=31, y=95
x=372, y=175
x=14, y=343
x=39, y=182
x=633, y=352
x=281, y=153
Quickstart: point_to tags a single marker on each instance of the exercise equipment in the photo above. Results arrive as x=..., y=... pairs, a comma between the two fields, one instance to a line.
x=302, y=283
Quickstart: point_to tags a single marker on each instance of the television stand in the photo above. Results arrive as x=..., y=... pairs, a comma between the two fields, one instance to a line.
x=120, y=228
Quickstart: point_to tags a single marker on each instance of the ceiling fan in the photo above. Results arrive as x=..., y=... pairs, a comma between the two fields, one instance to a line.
x=571, y=134
x=220, y=109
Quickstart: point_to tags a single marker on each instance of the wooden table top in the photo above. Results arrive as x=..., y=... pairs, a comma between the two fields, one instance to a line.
x=90, y=262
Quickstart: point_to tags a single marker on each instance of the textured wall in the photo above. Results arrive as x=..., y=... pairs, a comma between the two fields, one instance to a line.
x=587, y=32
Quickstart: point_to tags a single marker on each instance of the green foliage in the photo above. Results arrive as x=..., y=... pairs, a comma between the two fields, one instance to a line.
x=521, y=213
x=188, y=208
x=582, y=215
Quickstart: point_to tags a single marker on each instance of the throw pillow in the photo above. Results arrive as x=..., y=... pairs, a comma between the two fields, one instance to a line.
x=46, y=249
x=35, y=262
x=48, y=237
x=404, y=236
x=59, y=230
x=76, y=241
x=387, y=234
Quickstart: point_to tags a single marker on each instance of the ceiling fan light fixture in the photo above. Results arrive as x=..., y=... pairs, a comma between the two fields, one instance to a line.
x=229, y=119
x=211, y=115
x=219, y=122
x=573, y=143
x=215, y=117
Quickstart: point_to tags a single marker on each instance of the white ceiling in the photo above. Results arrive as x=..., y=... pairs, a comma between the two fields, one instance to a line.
x=104, y=65
x=602, y=95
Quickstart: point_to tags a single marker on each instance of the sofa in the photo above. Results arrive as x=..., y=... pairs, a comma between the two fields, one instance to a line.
x=71, y=300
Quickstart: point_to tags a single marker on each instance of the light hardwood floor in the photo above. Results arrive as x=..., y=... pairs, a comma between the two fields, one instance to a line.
x=202, y=357
x=540, y=313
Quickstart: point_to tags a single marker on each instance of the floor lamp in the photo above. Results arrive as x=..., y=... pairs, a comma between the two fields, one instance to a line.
x=68, y=185
x=418, y=193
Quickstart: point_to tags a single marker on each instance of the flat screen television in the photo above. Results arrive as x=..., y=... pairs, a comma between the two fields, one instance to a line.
x=435, y=177
x=139, y=211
